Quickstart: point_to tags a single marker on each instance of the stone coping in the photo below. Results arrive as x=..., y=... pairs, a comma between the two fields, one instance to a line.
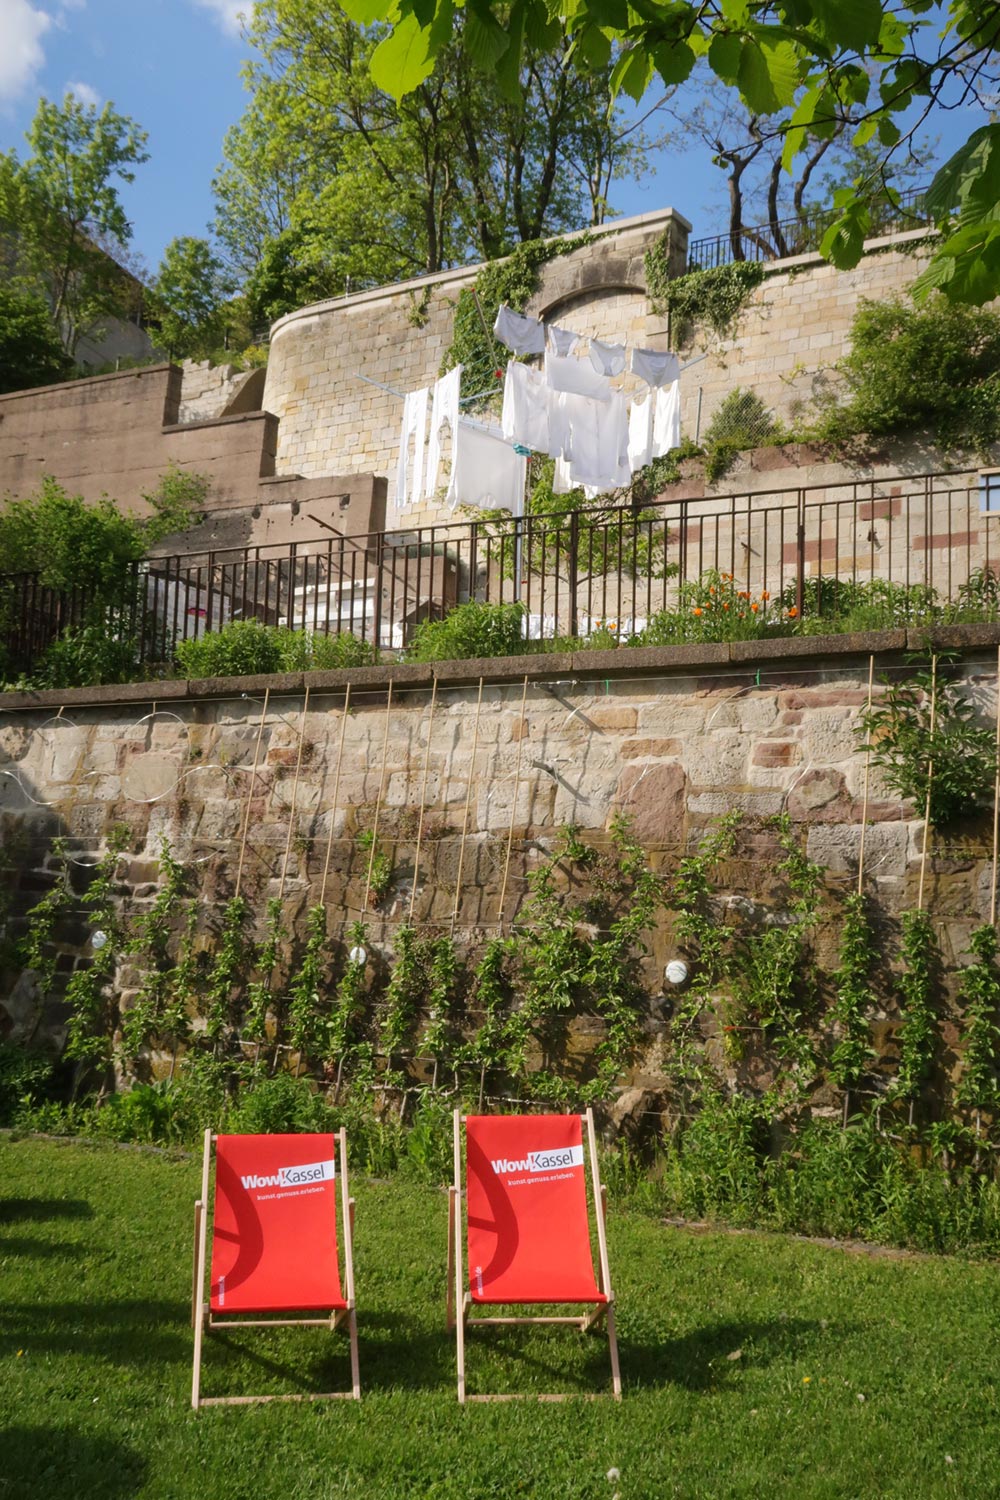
x=581, y=666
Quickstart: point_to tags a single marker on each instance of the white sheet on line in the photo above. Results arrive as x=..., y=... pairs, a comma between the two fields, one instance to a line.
x=485, y=471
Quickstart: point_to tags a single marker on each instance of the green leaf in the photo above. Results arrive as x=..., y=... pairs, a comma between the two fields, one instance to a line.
x=484, y=38
x=865, y=131
x=888, y=132
x=844, y=241
x=366, y=12
x=632, y=72
x=594, y=47
x=508, y=72
x=851, y=24
x=674, y=62
x=966, y=268
x=403, y=59
x=613, y=13
x=724, y=58
x=970, y=178
x=783, y=71
x=754, y=80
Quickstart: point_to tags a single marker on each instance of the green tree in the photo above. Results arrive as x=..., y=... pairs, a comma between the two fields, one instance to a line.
x=361, y=188
x=31, y=352
x=60, y=210
x=190, y=291
x=814, y=64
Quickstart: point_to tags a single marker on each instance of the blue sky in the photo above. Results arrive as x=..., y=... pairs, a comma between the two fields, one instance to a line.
x=174, y=67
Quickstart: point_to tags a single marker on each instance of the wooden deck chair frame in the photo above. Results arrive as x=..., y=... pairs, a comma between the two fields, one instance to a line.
x=203, y=1320
x=601, y=1312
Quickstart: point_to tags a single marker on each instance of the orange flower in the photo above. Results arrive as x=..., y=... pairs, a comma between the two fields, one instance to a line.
x=755, y=608
x=696, y=611
x=792, y=612
x=725, y=606
x=765, y=594
x=743, y=594
x=712, y=589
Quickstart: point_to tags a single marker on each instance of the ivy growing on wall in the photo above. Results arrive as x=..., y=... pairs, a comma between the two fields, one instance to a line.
x=713, y=298
x=513, y=280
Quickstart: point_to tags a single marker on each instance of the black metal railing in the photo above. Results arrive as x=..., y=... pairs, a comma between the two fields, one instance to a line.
x=610, y=567
x=803, y=233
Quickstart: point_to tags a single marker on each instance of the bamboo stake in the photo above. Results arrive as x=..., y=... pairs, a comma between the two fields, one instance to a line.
x=253, y=780
x=295, y=791
x=378, y=799
x=996, y=807
x=423, y=798
x=868, y=765
x=468, y=800
x=513, y=806
x=336, y=795
x=930, y=780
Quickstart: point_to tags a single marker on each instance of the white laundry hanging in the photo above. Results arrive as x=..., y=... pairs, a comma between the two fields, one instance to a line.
x=640, y=431
x=655, y=366
x=594, y=440
x=607, y=359
x=485, y=470
x=561, y=340
x=525, y=415
x=575, y=377
x=444, y=412
x=410, y=474
x=521, y=334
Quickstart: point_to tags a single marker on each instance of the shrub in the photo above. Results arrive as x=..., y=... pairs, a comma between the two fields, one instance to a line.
x=25, y=1080
x=247, y=647
x=471, y=630
x=742, y=421
x=85, y=658
x=714, y=608
x=935, y=368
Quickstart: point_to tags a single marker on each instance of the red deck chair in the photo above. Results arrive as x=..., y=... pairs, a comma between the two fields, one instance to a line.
x=528, y=1226
x=274, y=1244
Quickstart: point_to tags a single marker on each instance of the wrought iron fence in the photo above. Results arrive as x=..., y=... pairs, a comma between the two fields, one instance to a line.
x=802, y=233
x=603, y=567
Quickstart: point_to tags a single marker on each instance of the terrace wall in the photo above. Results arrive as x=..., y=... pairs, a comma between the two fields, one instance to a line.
x=673, y=738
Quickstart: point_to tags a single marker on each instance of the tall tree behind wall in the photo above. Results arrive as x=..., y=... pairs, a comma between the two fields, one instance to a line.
x=367, y=190
x=60, y=211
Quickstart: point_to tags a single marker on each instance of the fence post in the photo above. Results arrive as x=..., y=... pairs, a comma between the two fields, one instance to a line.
x=210, y=580
x=800, y=555
x=377, y=600
x=574, y=556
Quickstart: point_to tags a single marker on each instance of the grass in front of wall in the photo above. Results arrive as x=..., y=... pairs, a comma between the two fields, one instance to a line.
x=754, y=1365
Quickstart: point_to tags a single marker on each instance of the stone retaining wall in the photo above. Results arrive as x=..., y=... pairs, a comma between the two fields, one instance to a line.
x=673, y=738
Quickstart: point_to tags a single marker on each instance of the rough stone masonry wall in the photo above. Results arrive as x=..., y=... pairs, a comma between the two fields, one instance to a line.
x=673, y=738
x=332, y=420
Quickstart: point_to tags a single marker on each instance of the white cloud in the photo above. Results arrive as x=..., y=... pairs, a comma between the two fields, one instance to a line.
x=22, y=26
x=230, y=14
x=82, y=91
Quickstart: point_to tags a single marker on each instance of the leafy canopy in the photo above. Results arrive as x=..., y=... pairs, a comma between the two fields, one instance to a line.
x=60, y=211
x=31, y=352
x=811, y=65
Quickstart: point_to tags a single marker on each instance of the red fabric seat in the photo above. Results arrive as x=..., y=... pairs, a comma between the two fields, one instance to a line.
x=528, y=1220
x=274, y=1242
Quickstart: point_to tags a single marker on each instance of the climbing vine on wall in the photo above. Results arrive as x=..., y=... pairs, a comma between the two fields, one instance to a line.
x=715, y=298
x=512, y=280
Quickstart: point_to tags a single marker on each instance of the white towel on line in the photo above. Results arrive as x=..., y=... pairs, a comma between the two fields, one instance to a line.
x=655, y=366
x=607, y=359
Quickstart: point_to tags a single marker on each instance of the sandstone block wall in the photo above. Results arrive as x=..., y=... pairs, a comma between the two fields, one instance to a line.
x=795, y=327
x=675, y=739
x=330, y=418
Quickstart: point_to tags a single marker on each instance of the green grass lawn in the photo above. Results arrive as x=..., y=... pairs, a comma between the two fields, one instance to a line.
x=754, y=1365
